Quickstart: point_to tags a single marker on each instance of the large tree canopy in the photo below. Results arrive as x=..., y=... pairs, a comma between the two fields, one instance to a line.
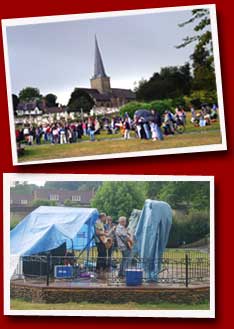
x=202, y=56
x=50, y=100
x=170, y=82
x=29, y=93
x=119, y=198
x=80, y=100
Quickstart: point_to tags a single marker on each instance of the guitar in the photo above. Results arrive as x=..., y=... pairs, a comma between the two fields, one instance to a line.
x=129, y=242
x=106, y=239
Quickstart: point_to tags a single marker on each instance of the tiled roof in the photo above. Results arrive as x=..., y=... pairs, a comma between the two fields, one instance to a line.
x=115, y=93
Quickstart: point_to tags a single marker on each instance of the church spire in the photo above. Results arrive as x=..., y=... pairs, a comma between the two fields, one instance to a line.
x=99, y=70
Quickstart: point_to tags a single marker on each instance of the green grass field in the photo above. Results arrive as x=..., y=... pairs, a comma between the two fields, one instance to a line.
x=17, y=304
x=47, y=151
x=107, y=144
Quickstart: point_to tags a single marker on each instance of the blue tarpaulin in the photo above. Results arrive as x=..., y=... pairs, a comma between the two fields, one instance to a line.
x=46, y=228
x=152, y=234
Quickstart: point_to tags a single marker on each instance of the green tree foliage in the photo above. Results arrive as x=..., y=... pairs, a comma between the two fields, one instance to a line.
x=80, y=99
x=203, y=70
x=171, y=82
x=38, y=203
x=50, y=100
x=152, y=189
x=187, y=195
x=23, y=188
x=119, y=198
x=29, y=93
x=190, y=228
x=72, y=185
x=202, y=57
x=202, y=35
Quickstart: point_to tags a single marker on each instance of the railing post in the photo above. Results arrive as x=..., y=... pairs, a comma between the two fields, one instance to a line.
x=186, y=270
x=48, y=270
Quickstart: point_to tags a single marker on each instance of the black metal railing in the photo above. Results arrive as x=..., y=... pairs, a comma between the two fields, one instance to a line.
x=173, y=268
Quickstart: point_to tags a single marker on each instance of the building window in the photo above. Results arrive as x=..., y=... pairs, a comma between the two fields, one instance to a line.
x=75, y=197
x=23, y=201
x=54, y=197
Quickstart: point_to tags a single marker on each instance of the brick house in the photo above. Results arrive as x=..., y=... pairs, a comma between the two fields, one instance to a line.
x=82, y=198
x=21, y=200
x=60, y=196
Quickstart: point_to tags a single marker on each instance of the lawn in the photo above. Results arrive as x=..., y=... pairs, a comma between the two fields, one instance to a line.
x=107, y=144
x=18, y=304
x=86, y=148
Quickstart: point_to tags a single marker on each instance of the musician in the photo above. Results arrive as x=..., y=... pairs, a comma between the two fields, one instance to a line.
x=124, y=240
x=101, y=248
x=110, y=231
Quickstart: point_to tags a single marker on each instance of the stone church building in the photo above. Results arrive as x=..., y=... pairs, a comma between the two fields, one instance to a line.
x=101, y=92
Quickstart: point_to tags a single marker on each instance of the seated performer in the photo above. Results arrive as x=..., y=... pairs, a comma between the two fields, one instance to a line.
x=124, y=243
x=101, y=247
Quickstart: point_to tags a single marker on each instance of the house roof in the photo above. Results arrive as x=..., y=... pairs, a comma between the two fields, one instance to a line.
x=30, y=106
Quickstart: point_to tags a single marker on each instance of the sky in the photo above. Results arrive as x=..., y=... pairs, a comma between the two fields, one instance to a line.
x=57, y=57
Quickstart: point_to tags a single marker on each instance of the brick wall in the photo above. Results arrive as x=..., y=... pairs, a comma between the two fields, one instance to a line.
x=114, y=295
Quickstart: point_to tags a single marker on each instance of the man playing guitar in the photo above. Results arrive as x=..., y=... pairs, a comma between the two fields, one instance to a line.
x=124, y=243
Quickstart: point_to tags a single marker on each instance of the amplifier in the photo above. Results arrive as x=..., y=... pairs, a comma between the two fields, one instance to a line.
x=63, y=272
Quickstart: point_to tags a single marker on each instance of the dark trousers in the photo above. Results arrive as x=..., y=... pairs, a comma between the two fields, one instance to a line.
x=102, y=257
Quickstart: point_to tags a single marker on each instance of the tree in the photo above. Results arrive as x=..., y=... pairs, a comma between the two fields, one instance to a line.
x=23, y=188
x=189, y=195
x=170, y=82
x=203, y=71
x=119, y=198
x=29, y=93
x=202, y=57
x=15, y=101
x=38, y=203
x=72, y=185
x=152, y=189
x=50, y=100
x=204, y=38
x=80, y=99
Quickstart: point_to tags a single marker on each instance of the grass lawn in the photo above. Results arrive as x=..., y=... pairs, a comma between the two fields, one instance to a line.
x=107, y=144
x=48, y=151
x=17, y=304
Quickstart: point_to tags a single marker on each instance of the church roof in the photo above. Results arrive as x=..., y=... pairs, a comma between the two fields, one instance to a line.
x=123, y=93
x=114, y=93
x=99, y=70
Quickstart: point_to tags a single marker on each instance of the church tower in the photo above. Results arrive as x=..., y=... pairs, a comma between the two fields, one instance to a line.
x=100, y=80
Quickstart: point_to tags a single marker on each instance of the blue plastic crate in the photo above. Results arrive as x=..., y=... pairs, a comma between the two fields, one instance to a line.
x=134, y=277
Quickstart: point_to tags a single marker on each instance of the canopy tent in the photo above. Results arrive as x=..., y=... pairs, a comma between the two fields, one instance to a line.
x=47, y=228
x=151, y=235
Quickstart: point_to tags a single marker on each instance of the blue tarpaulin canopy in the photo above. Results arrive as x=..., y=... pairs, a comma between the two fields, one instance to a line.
x=46, y=228
x=151, y=235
